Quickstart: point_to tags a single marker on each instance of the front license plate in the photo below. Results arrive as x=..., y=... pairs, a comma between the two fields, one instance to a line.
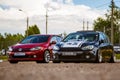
x=69, y=54
x=19, y=54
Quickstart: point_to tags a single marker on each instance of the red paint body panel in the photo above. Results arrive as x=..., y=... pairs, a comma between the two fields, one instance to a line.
x=25, y=54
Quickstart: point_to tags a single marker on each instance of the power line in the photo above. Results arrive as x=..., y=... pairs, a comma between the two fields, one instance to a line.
x=106, y=4
x=102, y=5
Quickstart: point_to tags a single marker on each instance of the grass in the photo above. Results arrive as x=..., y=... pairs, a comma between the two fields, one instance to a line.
x=3, y=57
x=117, y=56
x=6, y=57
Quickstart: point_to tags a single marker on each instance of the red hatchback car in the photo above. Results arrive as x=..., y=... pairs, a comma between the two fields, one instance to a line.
x=34, y=48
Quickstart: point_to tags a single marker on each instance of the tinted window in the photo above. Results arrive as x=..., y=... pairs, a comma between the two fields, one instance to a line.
x=82, y=36
x=91, y=37
x=102, y=38
x=56, y=38
x=35, y=39
x=106, y=38
x=74, y=37
x=53, y=39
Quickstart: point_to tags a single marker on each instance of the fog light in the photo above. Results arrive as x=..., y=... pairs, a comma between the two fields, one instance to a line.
x=34, y=56
x=87, y=56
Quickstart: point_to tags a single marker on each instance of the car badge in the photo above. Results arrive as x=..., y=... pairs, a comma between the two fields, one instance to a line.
x=20, y=49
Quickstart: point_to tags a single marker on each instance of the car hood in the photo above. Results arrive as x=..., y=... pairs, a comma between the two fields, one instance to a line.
x=29, y=45
x=75, y=44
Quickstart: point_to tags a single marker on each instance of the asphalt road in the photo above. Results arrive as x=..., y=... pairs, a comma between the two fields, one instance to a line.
x=62, y=71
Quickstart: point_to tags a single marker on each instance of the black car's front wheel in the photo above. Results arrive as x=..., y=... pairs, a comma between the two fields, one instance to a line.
x=56, y=59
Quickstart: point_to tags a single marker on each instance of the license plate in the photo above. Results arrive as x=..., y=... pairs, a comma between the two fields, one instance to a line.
x=19, y=54
x=69, y=54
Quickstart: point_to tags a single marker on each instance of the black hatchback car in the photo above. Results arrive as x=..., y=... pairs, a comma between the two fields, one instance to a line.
x=84, y=46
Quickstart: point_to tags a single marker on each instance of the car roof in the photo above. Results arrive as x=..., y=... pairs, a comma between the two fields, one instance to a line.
x=87, y=31
x=44, y=35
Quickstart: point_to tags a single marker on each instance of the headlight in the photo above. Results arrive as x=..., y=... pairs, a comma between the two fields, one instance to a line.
x=89, y=47
x=10, y=49
x=55, y=48
x=36, y=48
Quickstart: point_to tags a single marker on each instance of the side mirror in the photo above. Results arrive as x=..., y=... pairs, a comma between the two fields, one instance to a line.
x=101, y=41
x=53, y=42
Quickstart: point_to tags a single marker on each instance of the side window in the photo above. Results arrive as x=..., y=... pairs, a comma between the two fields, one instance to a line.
x=56, y=38
x=53, y=39
x=106, y=38
x=101, y=37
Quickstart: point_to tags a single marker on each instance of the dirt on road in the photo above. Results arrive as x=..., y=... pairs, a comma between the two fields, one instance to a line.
x=62, y=71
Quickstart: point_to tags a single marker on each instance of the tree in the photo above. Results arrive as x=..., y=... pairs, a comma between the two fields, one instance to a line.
x=8, y=39
x=104, y=24
x=1, y=41
x=32, y=30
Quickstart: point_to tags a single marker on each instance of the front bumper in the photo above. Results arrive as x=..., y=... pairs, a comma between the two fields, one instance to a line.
x=75, y=56
x=29, y=56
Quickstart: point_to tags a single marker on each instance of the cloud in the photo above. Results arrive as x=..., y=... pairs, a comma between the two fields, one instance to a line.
x=63, y=17
x=70, y=2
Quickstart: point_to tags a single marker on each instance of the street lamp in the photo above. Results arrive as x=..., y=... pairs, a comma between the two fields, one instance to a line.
x=50, y=6
x=46, y=15
x=27, y=21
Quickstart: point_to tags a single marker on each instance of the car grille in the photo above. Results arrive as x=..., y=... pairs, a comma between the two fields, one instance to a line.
x=22, y=50
x=26, y=56
x=70, y=49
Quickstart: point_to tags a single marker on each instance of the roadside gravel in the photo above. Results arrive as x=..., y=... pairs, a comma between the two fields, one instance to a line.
x=62, y=71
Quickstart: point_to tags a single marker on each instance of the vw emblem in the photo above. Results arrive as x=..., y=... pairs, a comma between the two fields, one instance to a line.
x=20, y=49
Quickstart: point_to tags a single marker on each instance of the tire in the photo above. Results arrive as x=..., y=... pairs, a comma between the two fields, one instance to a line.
x=56, y=61
x=46, y=57
x=13, y=62
x=112, y=59
x=99, y=57
x=39, y=61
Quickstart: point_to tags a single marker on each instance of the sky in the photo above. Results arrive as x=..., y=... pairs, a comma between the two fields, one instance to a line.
x=63, y=15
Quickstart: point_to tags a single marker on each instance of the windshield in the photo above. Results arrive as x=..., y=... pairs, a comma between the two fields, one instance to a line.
x=35, y=39
x=81, y=36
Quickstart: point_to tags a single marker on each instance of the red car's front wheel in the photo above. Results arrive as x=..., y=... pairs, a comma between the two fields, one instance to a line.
x=46, y=56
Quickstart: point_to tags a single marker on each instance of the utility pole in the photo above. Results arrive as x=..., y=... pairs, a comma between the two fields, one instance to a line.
x=87, y=25
x=112, y=29
x=83, y=25
x=27, y=26
x=104, y=29
x=27, y=21
x=46, y=20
